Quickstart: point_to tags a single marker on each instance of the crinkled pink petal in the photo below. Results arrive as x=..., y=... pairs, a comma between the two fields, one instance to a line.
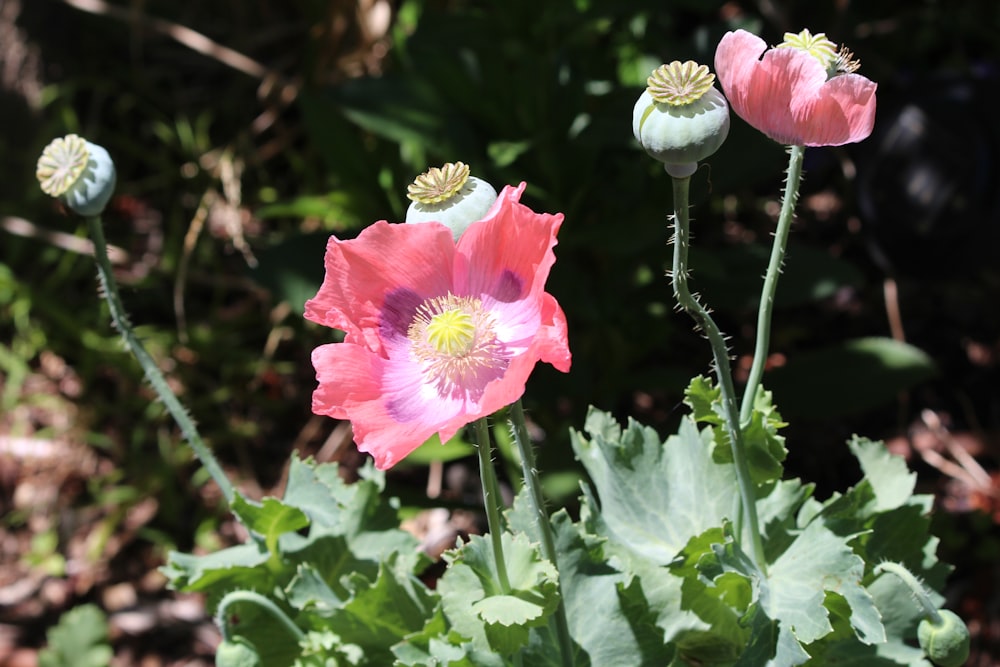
x=786, y=95
x=845, y=109
x=516, y=323
x=344, y=377
x=501, y=394
x=352, y=385
x=361, y=272
x=737, y=58
x=550, y=346
x=553, y=338
x=509, y=252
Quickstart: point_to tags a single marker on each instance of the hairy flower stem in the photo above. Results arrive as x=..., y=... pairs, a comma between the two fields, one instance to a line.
x=491, y=499
x=252, y=597
x=720, y=352
x=537, y=500
x=152, y=371
x=766, y=307
x=911, y=581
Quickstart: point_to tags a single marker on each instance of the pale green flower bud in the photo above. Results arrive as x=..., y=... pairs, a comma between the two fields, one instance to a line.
x=946, y=642
x=449, y=195
x=680, y=118
x=78, y=172
x=237, y=652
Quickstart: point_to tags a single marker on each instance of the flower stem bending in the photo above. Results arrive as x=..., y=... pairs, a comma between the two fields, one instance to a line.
x=491, y=499
x=152, y=371
x=919, y=592
x=703, y=319
x=534, y=485
x=766, y=307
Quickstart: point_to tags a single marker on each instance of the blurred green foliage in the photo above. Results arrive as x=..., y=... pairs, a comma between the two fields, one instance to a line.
x=79, y=640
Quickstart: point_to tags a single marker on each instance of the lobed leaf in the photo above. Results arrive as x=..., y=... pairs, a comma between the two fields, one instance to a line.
x=270, y=518
x=655, y=495
x=496, y=621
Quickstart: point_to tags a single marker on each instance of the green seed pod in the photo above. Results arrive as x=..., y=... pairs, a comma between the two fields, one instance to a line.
x=947, y=642
x=237, y=652
x=449, y=195
x=78, y=172
x=680, y=118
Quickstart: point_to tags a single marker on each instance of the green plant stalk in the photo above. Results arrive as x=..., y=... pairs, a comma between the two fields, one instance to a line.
x=701, y=316
x=766, y=307
x=261, y=601
x=491, y=499
x=533, y=482
x=120, y=319
x=919, y=592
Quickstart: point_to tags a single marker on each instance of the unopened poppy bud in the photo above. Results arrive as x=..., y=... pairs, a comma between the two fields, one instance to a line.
x=945, y=642
x=78, y=172
x=237, y=652
x=449, y=195
x=680, y=118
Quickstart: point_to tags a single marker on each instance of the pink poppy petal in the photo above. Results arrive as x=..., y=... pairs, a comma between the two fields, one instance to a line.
x=360, y=273
x=388, y=442
x=512, y=248
x=553, y=345
x=782, y=80
x=549, y=345
x=845, y=109
x=409, y=410
x=736, y=58
x=407, y=413
x=346, y=375
x=515, y=323
x=409, y=397
x=501, y=394
x=352, y=386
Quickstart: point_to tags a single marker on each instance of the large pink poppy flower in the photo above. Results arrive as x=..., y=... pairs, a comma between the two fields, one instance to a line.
x=789, y=94
x=438, y=333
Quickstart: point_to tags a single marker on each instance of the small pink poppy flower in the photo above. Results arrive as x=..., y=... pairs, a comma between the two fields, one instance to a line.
x=438, y=332
x=793, y=95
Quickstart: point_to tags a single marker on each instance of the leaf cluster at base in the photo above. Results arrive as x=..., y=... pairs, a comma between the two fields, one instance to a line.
x=664, y=514
x=651, y=573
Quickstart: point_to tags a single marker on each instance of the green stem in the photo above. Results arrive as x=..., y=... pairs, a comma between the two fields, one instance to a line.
x=919, y=592
x=261, y=601
x=537, y=500
x=704, y=321
x=766, y=308
x=491, y=499
x=152, y=371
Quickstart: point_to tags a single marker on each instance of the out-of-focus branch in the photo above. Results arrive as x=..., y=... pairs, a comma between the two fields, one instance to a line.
x=28, y=229
x=190, y=38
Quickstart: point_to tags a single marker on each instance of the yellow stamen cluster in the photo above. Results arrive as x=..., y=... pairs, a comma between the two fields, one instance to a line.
x=61, y=164
x=845, y=62
x=438, y=183
x=454, y=340
x=679, y=83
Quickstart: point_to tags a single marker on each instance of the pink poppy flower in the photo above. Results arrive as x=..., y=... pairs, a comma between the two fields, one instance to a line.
x=795, y=96
x=438, y=332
